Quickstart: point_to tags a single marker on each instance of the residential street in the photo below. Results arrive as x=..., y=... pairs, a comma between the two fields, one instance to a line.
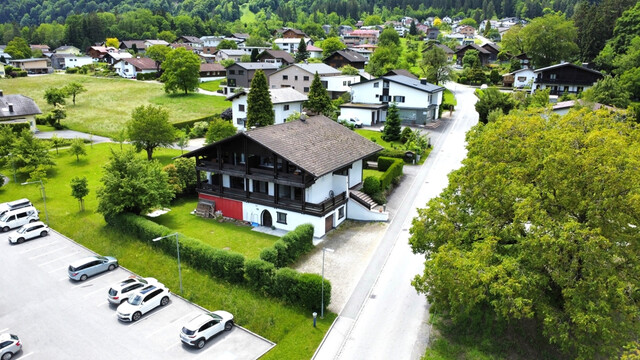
x=384, y=317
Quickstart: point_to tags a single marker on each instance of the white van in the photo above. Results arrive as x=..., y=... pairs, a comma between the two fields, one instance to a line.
x=16, y=218
x=14, y=205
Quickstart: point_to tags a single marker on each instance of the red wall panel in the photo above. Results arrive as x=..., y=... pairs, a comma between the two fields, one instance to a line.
x=229, y=208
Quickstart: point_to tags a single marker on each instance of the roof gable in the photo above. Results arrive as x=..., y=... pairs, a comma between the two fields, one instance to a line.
x=22, y=106
x=348, y=55
x=557, y=66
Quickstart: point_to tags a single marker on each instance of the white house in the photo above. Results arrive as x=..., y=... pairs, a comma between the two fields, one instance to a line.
x=73, y=61
x=16, y=109
x=285, y=175
x=340, y=84
x=314, y=52
x=417, y=100
x=285, y=101
x=129, y=68
x=291, y=44
x=523, y=78
x=230, y=54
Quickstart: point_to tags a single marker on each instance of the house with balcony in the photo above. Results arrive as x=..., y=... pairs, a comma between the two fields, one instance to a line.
x=17, y=109
x=193, y=41
x=290, y=45
x=288, y=174
x=279, y=57
x=483, y=54
x=300, y=76
x=137, y=46
x=130, y=68
x=33, y=66
x=229, y=54
x=565, y=78
x=285, y=102
x=361, y=36
x=417, y=100
x=240, y=74
x=341, y=58
x=518, y=79
x=67, y=61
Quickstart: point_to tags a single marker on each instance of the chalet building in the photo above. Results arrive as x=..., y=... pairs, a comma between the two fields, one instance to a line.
x=43, y=48
x=289, y=174
x=482, y=53
x=285, y=102
x=130, y=68
x=518, y=79
x=211, y=71
x=16, y=109
x=137, y=46
x=361, y=36
x=193, y=41
x=279, y=57
x=290, y=45
x=493, y=50
x=314, y=52
x=444, y=48
x=33, y=66
x=289, y=33
x=240, y=74
x=229, y=54
x=466, y=30
x=341, y=58
x=565, y=78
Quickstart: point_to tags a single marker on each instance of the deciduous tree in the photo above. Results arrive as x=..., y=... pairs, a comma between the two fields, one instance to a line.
x=219, y=129
x=158, y=53
x=73, y=89
x=18, y=48
x=331, y=45
x=77, y=148
x=55, y=96
x=550, y=39
x=259, y=105
x=79, y=189
x=435, y=65
x=491, y=99
x=30, y=153
x=181, y=71
x=149, y=128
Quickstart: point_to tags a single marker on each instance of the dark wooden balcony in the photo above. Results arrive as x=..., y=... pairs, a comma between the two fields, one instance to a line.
x=261, y=173
x=567, y=82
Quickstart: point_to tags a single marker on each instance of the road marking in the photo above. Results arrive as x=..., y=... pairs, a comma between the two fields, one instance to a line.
x=169, y=324
x=61, y=257
x=58, y=269
x=38, y=247
x=101, y=304
x=47, y=253
x=3, y=330
x=29, y=354
x=174, y=345
x=93, y=292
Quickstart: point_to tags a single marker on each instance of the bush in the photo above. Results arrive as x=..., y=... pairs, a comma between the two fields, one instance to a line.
x=310, y=291
x=379, y=198
x=290, y=246
x=72, y=70
x=394, y=171
x=17, y=128
x=284, y=254
x=384, y=162
x=285, y=285
x=269, y=254
x=259, y=274
x=405, y=135
x=199, y=129
x=371, y=185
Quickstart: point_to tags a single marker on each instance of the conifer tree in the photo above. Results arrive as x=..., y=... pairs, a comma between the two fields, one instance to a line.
x=302, y=53
x=319, y=101
x=392, y=126
x=259, y=105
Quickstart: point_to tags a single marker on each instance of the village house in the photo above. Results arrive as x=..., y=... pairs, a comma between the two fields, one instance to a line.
x=285, y=102
x=279, y=57
x=229, y=54
x=66, y=61
x=130, y=68
x=361, y=36
x=285, y=175
x=289, y=33
x=33, y=66
x=290, y=45
x=137, y=46
x=18, y=109
x=67, y=49
x=565, y=78
x=483, y=54
x=193, y=41
x=240, y=74
x=519, y=79
x=341, y=58
x=300, y=76
x=213, y=71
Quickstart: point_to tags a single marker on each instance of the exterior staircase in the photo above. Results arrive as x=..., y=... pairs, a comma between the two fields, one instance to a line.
x=363, y=199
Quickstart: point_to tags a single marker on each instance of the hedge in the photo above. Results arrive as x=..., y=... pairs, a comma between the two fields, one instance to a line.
x=189, y=123
x=392, y=153
x=290, y=246
x=371, y=185
x=384, y=162
x=285, y=283
x=394, y=171
x=147, y=76
x=17, y=128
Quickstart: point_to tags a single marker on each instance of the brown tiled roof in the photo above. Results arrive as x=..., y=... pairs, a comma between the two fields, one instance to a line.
x=142, y=63
x=350, y=56
x=317, y=145
x=278, y=54
x=140, y=45
x=212, y=67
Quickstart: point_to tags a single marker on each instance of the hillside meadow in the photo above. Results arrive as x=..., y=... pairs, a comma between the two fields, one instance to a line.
x=108, y=102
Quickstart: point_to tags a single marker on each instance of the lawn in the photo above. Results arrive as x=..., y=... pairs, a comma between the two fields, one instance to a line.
x=211, y=85
x=449, y=98
x=376, y=136
x=108, y=102
x=371, y=172
x=226, y=235
x=290, y=327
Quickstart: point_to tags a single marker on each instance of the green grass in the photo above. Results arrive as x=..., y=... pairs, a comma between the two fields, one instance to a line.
x=449, y=98
x=211, y=85
x=377, y=136
x=108, y=102
x=226, y=235
x=371, y=172
x=290, y=327
x=247, y=16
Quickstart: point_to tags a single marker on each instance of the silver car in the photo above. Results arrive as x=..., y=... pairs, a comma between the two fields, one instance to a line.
x=92, y=265
x=9, y=346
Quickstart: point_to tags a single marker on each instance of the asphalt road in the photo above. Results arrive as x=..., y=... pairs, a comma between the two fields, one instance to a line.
x=385, y=318
x=57, y=318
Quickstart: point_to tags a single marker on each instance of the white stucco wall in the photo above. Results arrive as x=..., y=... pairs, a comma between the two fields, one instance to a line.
x=355, y=211
x=319, y=191
x=253, y=212
x=363, y=115
x=355, y=173
x=340, y=83
x=280, y=114
x=77, y=61
x=528, y=78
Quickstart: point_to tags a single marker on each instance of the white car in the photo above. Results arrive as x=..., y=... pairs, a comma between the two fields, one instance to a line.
x=355, y=122
x=145, y=300
x=9, y=346
x=28, y=232
x=201, y=328
x=122, y=290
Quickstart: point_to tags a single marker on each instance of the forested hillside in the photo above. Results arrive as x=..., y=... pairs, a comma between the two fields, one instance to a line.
x=34, y=12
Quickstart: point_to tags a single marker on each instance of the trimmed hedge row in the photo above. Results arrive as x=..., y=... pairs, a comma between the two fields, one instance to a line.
x=384, y=162
x=147, y=76
x=393, y=172
x=290, y=246
x=392, y=153
x=189, y=123
x=287, y=284
x=17, y=128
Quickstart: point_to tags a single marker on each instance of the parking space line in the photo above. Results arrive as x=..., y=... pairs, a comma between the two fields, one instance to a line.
x=58, y=269
x=101, y=304
x=4, y=330
x=93, y=292
x=61, y=257
x=174, y=345
x=169, y=324
x=147, y=316
x=25, y=355
x=47, y=253
x=38, y=247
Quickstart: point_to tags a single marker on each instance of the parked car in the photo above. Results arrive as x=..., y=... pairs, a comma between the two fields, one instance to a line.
x=14, y=205
x=121, y=291
x=145, y=300
x=92, y=265
x=9, y=346
x=12, y=219
x=204, y=326
x=28, y=232
x=355, y=122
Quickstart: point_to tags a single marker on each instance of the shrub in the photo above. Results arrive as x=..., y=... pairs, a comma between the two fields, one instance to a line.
x=379, y=198
x=384, y=162
x=394, y=171
x=269, y=254
x=371, y=185
x=285, y=285
x=17, y=128
x=405, y=134
x=290, y=246
x=310, y=291
x=283, y=254
x=199, y=129
x=259, y=274
x=71, y=70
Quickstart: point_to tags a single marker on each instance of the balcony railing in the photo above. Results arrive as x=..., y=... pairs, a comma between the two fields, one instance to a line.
x=263, y=173
x=317, y=209
x=563, y=81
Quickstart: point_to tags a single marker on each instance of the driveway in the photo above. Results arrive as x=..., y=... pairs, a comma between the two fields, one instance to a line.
x=72, y=134
x=57, y=318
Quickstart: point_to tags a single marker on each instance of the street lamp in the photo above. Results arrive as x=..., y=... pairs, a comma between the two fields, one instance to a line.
x=13, y=164
x=44, y=196
x=322, y=300
x=178, y=250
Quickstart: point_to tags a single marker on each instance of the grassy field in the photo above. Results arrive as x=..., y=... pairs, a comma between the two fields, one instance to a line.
x=449, y=98
x=211, y=85
x=290, y=327
x=238, y=238
x=377, y=136
x=108, y=102
x=371, y=172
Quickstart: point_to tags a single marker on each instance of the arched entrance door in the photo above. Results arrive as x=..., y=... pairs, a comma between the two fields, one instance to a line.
x=266, y=218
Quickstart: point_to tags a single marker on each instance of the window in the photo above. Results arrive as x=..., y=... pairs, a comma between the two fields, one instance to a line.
x=305, y=78
x=231, y=82
x=236, y=182
x=241, y=107
x=341, y=212
x=552, y=76
x=522, y=78
x=385, y=98
x=306, y=89
x=344, y=83
x=376, y=84
x=398, y=99
x=286, y=107
x=240, y=121
x=282, y=217
x=240, y=72
x=295, y=78
x=232, y=72
x=285, y=77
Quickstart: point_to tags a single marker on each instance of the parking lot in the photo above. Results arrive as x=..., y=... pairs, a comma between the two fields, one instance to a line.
x=57, y=318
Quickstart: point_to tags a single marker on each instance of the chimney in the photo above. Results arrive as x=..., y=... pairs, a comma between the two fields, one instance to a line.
x=10, y=107
x=423, y=81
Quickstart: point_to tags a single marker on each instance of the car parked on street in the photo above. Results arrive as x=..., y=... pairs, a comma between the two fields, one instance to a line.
x=121, y=291
x=145, y=300
x=355, y=122
x=9, y=346
x=92, y=265
x=204, y=326
x=28, y=232
x=15, y=218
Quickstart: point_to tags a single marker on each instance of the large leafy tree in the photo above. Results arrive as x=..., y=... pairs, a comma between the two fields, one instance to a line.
x=131, y=184
x=18, y=48
x=259, y=105
x=491, y=99
x=541, y=223
x=435, y=65
x=389, y=37
x=331, y=45
x=318, y=101
x=608, y=91
x=384, y=58
x=29, y=153
x=549, y=39
x=158, y=53
x=149, y=128
x=7, y=138
x=181, y=71
x=219, y=129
